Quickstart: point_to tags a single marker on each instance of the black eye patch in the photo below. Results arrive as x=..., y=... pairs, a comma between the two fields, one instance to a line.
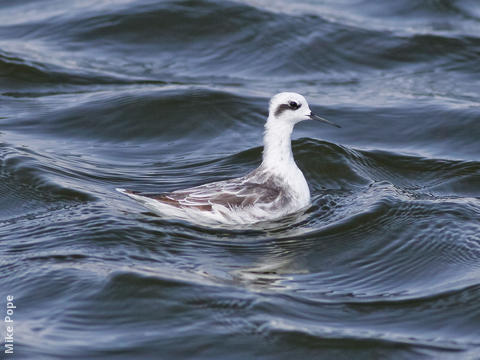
x=294, y=105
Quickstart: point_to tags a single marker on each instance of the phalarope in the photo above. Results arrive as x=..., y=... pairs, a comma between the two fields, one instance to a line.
x=275, y=189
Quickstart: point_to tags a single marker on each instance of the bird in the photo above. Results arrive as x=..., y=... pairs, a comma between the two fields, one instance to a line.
x=275, y=189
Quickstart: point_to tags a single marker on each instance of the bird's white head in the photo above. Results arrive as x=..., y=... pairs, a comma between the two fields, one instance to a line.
x=291, y=108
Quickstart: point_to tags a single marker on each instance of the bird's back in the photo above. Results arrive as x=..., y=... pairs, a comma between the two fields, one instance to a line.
x=257, y=196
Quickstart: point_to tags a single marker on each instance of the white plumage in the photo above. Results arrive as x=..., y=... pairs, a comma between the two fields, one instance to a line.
x=275, y=189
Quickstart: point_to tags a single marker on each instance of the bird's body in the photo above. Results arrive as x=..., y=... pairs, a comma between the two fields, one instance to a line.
x=275, y=189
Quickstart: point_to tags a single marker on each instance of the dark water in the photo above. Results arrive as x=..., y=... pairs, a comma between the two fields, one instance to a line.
x=160, y=95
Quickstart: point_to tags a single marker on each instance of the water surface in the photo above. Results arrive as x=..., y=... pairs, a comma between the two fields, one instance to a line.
x=156, y=96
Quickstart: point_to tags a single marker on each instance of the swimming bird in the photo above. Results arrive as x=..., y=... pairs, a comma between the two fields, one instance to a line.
x=275, y=189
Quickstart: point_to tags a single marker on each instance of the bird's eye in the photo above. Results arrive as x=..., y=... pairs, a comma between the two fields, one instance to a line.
x=293, y=105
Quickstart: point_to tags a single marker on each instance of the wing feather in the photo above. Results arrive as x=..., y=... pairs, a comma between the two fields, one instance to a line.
x=235, y=193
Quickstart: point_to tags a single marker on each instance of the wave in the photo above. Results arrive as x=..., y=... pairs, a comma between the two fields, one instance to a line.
x=229, y=39
x=157, y=96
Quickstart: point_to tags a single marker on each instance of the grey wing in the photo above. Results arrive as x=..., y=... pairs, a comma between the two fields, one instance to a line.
x=230, y=193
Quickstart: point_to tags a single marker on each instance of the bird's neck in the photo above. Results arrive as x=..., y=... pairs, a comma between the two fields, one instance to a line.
x=277, y=150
